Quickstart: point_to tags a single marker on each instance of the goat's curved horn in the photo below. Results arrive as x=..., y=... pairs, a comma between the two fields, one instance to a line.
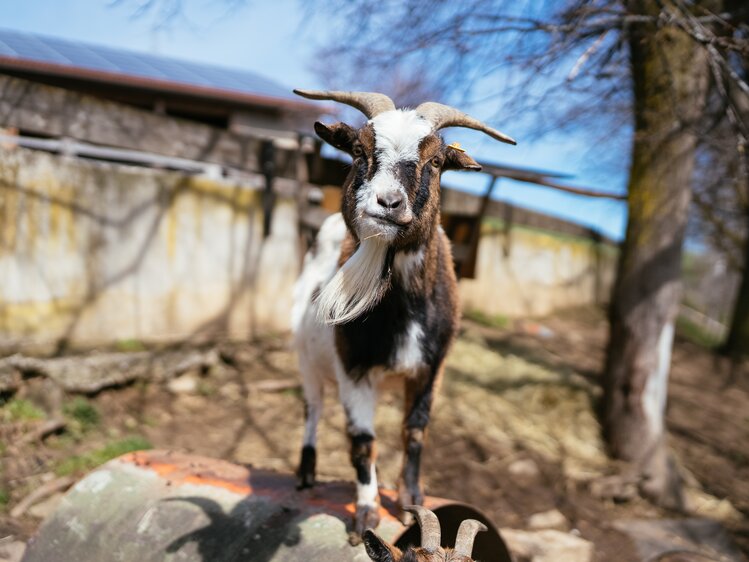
x=441, y=116
x=369, y=103
x=466, y=534
x=431, y=534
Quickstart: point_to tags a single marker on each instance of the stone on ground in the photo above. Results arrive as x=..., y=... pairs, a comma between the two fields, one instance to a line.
x=46, y=507
x=185, y=384
x=524, y=468
x=552, y=519
x=12, y=551
x=547, y=546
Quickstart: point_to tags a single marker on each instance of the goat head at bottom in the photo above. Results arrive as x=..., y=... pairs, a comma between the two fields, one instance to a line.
x=430, y=549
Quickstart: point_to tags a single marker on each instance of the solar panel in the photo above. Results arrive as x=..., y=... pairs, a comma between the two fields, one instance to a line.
x=39, y=48
x=5, y=49
x=82, y=56
x=32, y=48
x=129, y=64
x=228, y=78
x=178, y=72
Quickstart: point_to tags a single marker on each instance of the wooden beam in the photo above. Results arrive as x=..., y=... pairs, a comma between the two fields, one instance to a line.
x=456, y=202
x=584, y=191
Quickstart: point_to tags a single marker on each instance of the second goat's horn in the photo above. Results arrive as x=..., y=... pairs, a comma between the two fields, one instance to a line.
x=466, y=535
x=431, y=534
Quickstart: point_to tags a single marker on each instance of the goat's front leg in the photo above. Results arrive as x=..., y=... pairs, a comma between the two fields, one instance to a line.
x=313, y=406
x=359, y=400
x=418, y=405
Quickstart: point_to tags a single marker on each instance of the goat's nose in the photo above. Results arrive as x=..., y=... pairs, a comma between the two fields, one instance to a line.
x=391, y=200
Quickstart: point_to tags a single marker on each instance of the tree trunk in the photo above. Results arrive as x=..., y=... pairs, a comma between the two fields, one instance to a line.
x=670, y=76
x=736, y=346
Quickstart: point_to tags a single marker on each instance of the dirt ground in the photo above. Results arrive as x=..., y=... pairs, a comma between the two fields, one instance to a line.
x=520, y=393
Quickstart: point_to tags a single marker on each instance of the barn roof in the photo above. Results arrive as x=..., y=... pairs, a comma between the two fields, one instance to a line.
x=38, y=54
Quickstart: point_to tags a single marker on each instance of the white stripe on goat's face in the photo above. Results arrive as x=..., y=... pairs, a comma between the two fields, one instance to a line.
x=382, y=204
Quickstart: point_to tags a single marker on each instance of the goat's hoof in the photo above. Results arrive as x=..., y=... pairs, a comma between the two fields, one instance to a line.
x=367, y=517
x=354, y=538
x=306, y=471
x=305, y=481
x=408, y=497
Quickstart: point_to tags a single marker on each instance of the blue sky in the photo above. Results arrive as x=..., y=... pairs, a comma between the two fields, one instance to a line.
x=269, y=38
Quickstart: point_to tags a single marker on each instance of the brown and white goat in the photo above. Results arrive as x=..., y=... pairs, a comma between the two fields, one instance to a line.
x=430, y=550
x=378, y=293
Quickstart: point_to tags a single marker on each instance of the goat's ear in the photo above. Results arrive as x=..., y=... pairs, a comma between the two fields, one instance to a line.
x=378, y=550
x=339, y=135
x=458, y=159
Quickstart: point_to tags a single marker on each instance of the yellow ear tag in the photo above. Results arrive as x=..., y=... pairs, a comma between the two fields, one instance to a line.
x=456, y=146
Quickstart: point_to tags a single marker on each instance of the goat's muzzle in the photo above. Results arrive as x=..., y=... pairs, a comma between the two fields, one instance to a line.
x=392, y=218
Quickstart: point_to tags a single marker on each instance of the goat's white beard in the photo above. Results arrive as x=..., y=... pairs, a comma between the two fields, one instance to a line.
x=357, y=286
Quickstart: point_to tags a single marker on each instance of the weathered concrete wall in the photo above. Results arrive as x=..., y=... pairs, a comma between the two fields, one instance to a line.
x=526, y=272
x=93, y=253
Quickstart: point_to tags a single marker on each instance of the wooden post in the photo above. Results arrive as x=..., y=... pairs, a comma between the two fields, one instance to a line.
x=268, y=165
x=302, y=178
x=468, y=267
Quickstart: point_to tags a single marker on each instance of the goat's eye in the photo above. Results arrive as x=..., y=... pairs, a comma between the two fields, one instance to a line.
x=357, y=151
x=436, y=162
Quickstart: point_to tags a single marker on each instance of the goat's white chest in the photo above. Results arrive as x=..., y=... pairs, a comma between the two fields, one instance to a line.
x=408, y=351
